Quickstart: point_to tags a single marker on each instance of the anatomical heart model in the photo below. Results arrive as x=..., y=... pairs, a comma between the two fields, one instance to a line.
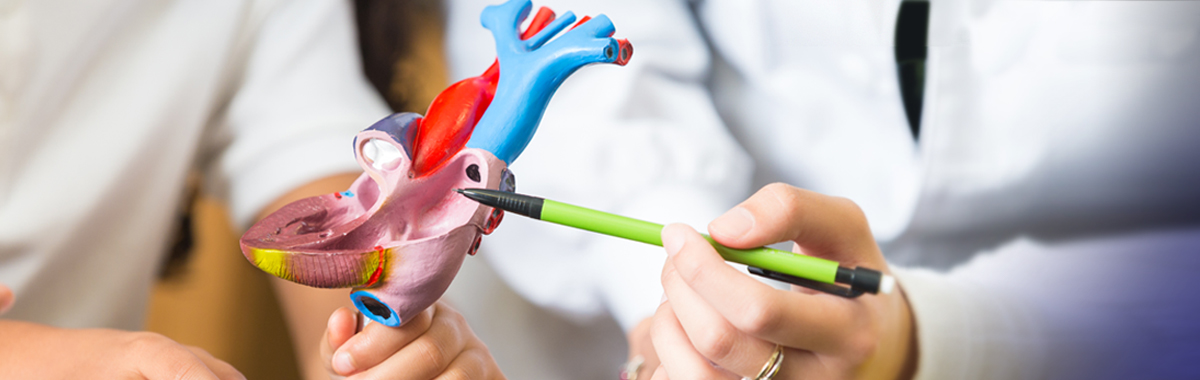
x=400, y=233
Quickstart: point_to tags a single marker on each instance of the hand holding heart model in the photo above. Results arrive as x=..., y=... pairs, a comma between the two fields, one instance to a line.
x=399, y=234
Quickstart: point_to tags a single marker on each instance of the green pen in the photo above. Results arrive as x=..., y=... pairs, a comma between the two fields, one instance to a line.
x=808, y=271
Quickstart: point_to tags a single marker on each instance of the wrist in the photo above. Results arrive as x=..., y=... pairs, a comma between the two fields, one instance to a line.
x=895, y=355
x=908, y=339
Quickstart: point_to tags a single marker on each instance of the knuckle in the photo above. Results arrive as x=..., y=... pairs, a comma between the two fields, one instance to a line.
x=857, y=219
x=785, y=196
x=454, y=317
x=469, y=365
x=716, y=344
x=181, y=362
x=455, y=373
x=660, y=323
x=779, y=208
x=454, y=325
x=759, y=318
x=190, y=370
x=862, y=346
x=431, y=351
x=852, y=209
x=778, y=187
x=198, y=350
x=668, y=276
x=690, y=272
x=360, y=344
x=149, y=342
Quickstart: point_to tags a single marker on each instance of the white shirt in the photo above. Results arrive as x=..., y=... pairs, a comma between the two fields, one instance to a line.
x=1054, y=135
x=106, y=105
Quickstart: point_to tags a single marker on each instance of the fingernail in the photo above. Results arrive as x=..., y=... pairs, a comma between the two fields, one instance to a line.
x=342, y=363
x=733, y=224
x=673, y=242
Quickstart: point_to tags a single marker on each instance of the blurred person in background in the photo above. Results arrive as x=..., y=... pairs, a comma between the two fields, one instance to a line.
x=105, y=107
x=1028, y=170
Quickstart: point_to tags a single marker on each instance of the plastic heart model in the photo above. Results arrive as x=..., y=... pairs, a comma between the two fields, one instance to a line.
x=400, y=233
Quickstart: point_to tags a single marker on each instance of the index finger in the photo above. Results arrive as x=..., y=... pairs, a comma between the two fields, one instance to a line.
x=342, y=325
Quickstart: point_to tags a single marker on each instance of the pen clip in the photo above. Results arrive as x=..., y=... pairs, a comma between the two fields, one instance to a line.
x=811, y=284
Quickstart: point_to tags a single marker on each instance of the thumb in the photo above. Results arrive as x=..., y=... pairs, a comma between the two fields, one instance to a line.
x=821, y=225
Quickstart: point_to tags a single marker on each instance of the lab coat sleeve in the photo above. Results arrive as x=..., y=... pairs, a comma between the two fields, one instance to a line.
x=967, y=331
x=295, y=108
x=642, y=140
x=1111, y=307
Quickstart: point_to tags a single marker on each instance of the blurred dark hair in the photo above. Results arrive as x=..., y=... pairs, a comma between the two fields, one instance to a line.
x=400, y=41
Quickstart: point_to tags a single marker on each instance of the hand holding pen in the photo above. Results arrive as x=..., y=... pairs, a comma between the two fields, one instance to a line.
x=716, y=314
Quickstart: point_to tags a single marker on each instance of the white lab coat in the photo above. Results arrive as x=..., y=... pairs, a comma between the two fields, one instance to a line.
x=1054, y=177
x=106, y=105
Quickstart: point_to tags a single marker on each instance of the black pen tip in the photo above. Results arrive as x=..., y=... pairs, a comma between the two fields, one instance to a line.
x=507, y=201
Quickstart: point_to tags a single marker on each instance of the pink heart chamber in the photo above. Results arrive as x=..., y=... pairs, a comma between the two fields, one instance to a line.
x=397, y=240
